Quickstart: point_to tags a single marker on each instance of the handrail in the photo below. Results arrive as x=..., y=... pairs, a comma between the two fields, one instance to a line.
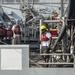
x=57, y=63
x=53, y=21
x=57, y=54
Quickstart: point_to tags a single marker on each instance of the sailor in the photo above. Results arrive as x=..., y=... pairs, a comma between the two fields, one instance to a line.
x=2, y=33
x=55, y=16
x=9, y=33
x=17, y=32
x=46, y=38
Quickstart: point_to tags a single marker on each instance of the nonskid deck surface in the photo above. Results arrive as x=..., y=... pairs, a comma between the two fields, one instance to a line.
x=36, y=57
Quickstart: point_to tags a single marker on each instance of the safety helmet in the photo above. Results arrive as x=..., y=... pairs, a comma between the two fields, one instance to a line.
x=43, y=27
x=17, y=20
x=1, y=22
x=9, y=23
x=20, y=19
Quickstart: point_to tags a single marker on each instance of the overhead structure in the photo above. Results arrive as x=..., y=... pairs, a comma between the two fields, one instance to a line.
x=31, y=28
x=1, y=11
x=70, y=24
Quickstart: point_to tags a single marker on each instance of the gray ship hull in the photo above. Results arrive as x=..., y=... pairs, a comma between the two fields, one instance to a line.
x=21, y=53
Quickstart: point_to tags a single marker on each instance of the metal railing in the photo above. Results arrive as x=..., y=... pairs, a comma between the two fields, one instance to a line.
x=50, y=21
x=65, y=56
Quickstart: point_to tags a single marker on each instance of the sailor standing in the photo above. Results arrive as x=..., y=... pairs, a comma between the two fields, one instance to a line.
x=46, y=38
x=17, y=32
x=9, y=33
x=2, y=33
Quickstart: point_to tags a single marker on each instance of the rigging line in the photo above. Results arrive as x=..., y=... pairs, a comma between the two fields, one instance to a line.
x=23, y=55
x=45, y=3
x=33, y=62
x=29, y=59
x=66, y=10
x=11, y=7
x=48, y=5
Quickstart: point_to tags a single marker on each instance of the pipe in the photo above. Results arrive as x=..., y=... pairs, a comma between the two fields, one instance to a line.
x=59, y=37
x=71, y=15
x=1, y=11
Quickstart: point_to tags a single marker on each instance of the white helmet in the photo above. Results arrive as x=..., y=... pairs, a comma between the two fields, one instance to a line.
x=9, y=23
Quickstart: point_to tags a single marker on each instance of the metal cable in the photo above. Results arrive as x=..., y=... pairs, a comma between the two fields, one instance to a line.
x=28, y=59
x=22, y=55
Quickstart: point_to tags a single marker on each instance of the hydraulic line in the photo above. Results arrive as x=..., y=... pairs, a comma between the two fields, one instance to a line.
x=63, y=31
x=71, y=15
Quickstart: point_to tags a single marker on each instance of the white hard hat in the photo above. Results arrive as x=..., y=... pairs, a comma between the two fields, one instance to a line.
x=1, y=22
x=17, y=20
x=9, y=23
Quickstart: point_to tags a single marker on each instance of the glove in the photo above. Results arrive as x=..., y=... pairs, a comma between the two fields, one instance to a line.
x=39, y=42
x=48, y=50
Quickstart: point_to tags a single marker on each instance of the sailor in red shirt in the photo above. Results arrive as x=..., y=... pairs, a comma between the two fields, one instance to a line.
x=2, y=33
x=9, y=33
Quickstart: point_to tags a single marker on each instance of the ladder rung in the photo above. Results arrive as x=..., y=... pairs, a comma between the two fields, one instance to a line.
x=54, y=37
x=57, y=54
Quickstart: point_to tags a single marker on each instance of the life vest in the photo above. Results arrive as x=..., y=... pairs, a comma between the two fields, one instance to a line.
x=43, y=37
x=17, y=30
x=2, y=32
x=9, y=33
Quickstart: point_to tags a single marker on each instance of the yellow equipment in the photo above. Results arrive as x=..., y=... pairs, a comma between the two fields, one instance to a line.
x=43, y=27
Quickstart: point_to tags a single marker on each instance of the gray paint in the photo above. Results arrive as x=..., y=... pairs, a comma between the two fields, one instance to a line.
x=16, y=14
x=25, y=60
x=32, y=71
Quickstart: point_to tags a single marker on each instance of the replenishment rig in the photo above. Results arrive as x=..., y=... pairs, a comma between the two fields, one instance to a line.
x=27, y=57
